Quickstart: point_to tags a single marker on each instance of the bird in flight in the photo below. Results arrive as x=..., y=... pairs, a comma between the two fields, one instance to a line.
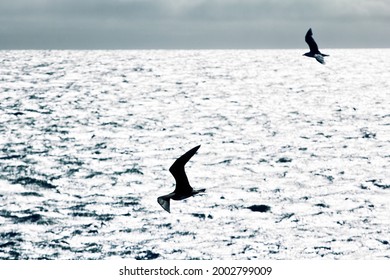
x=314, y=52
x=183, y=189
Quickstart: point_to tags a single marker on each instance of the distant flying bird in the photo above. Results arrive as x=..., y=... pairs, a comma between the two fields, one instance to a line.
x=314, y=52
x=183, y=189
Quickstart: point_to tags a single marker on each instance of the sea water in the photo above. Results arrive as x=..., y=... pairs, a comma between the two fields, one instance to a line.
x=295, y=155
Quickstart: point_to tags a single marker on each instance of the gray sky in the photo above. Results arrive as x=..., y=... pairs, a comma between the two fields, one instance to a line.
x=129, y=24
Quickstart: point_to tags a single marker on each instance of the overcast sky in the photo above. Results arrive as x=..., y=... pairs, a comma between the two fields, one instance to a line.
x=192, y=24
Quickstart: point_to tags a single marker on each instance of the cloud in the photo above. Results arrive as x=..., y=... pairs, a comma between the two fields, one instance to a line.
x=215, y=10
x=188, y=23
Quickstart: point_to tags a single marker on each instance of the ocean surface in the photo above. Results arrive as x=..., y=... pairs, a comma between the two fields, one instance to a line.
x=295, y=155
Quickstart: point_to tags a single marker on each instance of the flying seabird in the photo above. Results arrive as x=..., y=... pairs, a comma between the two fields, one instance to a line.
x=314, y=52
x=183, y=189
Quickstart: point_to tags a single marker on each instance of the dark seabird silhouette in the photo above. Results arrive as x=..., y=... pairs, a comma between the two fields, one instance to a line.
x=183, y=189
x=314, y=52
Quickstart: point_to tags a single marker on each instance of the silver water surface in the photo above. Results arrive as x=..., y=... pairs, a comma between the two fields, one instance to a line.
x=87, y=137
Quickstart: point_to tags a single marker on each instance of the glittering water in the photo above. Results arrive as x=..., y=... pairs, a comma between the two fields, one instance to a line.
x=295, y=155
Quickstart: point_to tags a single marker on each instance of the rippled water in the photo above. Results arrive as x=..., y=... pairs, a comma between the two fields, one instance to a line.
x=87, y=137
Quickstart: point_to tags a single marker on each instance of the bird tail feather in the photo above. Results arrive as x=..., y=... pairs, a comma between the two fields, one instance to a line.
x=165, y=203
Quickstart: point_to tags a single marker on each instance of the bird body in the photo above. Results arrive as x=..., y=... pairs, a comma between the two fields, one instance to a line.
x=183, y=188
x=314, y=51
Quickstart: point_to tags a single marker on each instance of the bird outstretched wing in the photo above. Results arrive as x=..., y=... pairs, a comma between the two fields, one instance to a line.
x=310, y=41
x=319, y=58
x=178, y=172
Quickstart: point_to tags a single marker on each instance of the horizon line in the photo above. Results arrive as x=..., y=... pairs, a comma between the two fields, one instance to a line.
x=175, y=49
